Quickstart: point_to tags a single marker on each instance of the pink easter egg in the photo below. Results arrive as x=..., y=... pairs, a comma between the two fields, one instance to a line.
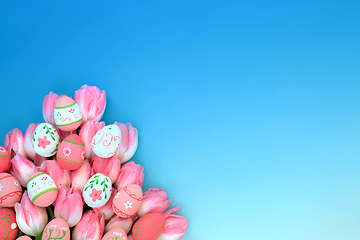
x=150, y=226
x=67, y=114
x=24, y=238
x=56, y=229
x=42, y=190
x=71, y=152
x=4, y=160
x=8, y=226
x=116, y=233
x=10, y=190
x=127, y=201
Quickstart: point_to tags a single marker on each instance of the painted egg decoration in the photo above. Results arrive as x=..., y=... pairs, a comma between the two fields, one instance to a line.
x=116, y=233
x=71, y=152
x=8, y=226
x=67, y=114
x=10, y=190
x=42, y=190
x=127, y=201
x=150, y=226
x=24, y=238
x=97, y=190
x=106, y=141
x=4, y=160
x=56, y=229
x=45, y=140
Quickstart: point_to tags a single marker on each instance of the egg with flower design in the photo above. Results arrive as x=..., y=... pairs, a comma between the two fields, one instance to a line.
x=127, y=201
x=97, y=190
x=8, y=226
x=10, y=190
x=56, y=229
x=67, y=114
x=42, y=190
x=45, y=140
x=71, y=153
x=115, y=233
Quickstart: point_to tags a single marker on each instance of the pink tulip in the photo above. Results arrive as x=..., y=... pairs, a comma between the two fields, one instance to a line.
x=48, y=107
x=130, y=237
x=107, y=166
x=14, y=143
x=90, y=227
x=22, y=168
x=56, y=172
x=29, y=149
x=129, y=142
x=80, y=176
x=130, y=173
x=87, y=131
x=92, y=102
x=154, y=200
x=31, y=219
x=175, y=225
x=107, y=209
x=69, y=205
x=118, y=222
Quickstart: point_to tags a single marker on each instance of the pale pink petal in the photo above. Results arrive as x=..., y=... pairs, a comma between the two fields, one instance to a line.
x=22, y=168
x=107, y=166
x=56, y=172
x=154, y=200
x=118, y=222
x=80, y=176
x=130, y=173
x=129, y=142
x=69, y=205
x=87, y=132
x=14, y=143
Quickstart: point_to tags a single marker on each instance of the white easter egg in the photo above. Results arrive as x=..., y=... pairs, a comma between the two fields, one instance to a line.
x=45, y=140
x=97, y=190
x=106, y=141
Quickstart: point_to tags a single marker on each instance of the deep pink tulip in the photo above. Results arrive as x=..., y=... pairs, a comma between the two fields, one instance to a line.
x=87, y=132
x=90, y=227
x=130, y=173
x=56, y=172
x=107, y=166
x=175, y=225
x=69, y=205
x=118, y=222
x=154, y=200
x=21, y=168
x=92, y=102
x=31, y=219
x=80, y=176
x=129, y=142
x=107, y=209
x=29, y=149
x=14, y=143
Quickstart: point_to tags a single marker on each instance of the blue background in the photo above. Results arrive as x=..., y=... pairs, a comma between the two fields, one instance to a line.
x=247, y=111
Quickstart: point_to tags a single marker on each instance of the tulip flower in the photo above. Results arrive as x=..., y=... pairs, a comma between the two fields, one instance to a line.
x=154, y=200
x=21, y=169
x=129, y=142
x=107, y=209
x=14, y=143
x=29, y=149
x=90, y=227
x=56, y=172
x=118, y=222
x=80, y=176
x=107, y=166
x=69, y=205
x=130, y=173
x=30, y=218
x=175, y=225
x=92, y=102
x=48, y=107
x=87, y=132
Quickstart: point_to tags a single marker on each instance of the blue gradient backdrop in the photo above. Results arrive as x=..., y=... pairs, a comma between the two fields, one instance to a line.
x=247, y=111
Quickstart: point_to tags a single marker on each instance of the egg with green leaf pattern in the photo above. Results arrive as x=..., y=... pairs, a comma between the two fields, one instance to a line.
x=97, y=190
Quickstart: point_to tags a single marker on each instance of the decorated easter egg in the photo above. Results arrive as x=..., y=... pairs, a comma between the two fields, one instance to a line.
x=71, y=153
x=4, y=160
x=10, y=190
x=8, y=226
x=116, y=233
x=97, y=190
x=127, y=201
x=24, y=238
x=106, y=141
x=45, y=140
x=42, y=190
x=150, y=226
x=67, y=114
x=56, y=229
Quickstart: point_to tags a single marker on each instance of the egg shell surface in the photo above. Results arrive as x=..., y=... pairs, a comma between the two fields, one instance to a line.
x=106, y=141
x=150, y=226
x=8, y=226
x=4, y=160
x=24, y=238
x=116, y=233
x=97, y=190
x=67, y=114
x=10, y=190
x=45, y=140
x=127, y=201
x=42, y=190
x=71, y=152
x=56, y=229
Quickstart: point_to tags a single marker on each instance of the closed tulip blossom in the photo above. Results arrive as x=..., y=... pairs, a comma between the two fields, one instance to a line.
x=56, y=172
x=29, y=149
x=69, y=205
x=107, y=166
x=154, y=200
x=175, y=225
x=48, y=107
x=119, y=222
x=92, y=102
x=87, y=132
x=130, y=173
x=107, y=209
x=129, y=142
x=14, y=143
x=30, y=218
x=90, y=227
x=80, y=176
x=22, y=168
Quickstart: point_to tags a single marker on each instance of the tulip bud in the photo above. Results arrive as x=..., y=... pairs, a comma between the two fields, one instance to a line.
x=69, y=205
x=129, y=142
x=30, y=218
x=21, y=169
x=107, y=209
x=92, y=102
x=14, y=143
x=90, y=227
x=175, y=225
x=118, y=222
x=56, y=172
x=87, y=132
x=28, y=146
x=48, y=107
x=154, y=200
x=80, y=176
x=130, y=173
x=107, y=166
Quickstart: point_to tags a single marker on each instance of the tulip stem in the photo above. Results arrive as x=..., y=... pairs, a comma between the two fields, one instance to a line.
x=51, y=212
